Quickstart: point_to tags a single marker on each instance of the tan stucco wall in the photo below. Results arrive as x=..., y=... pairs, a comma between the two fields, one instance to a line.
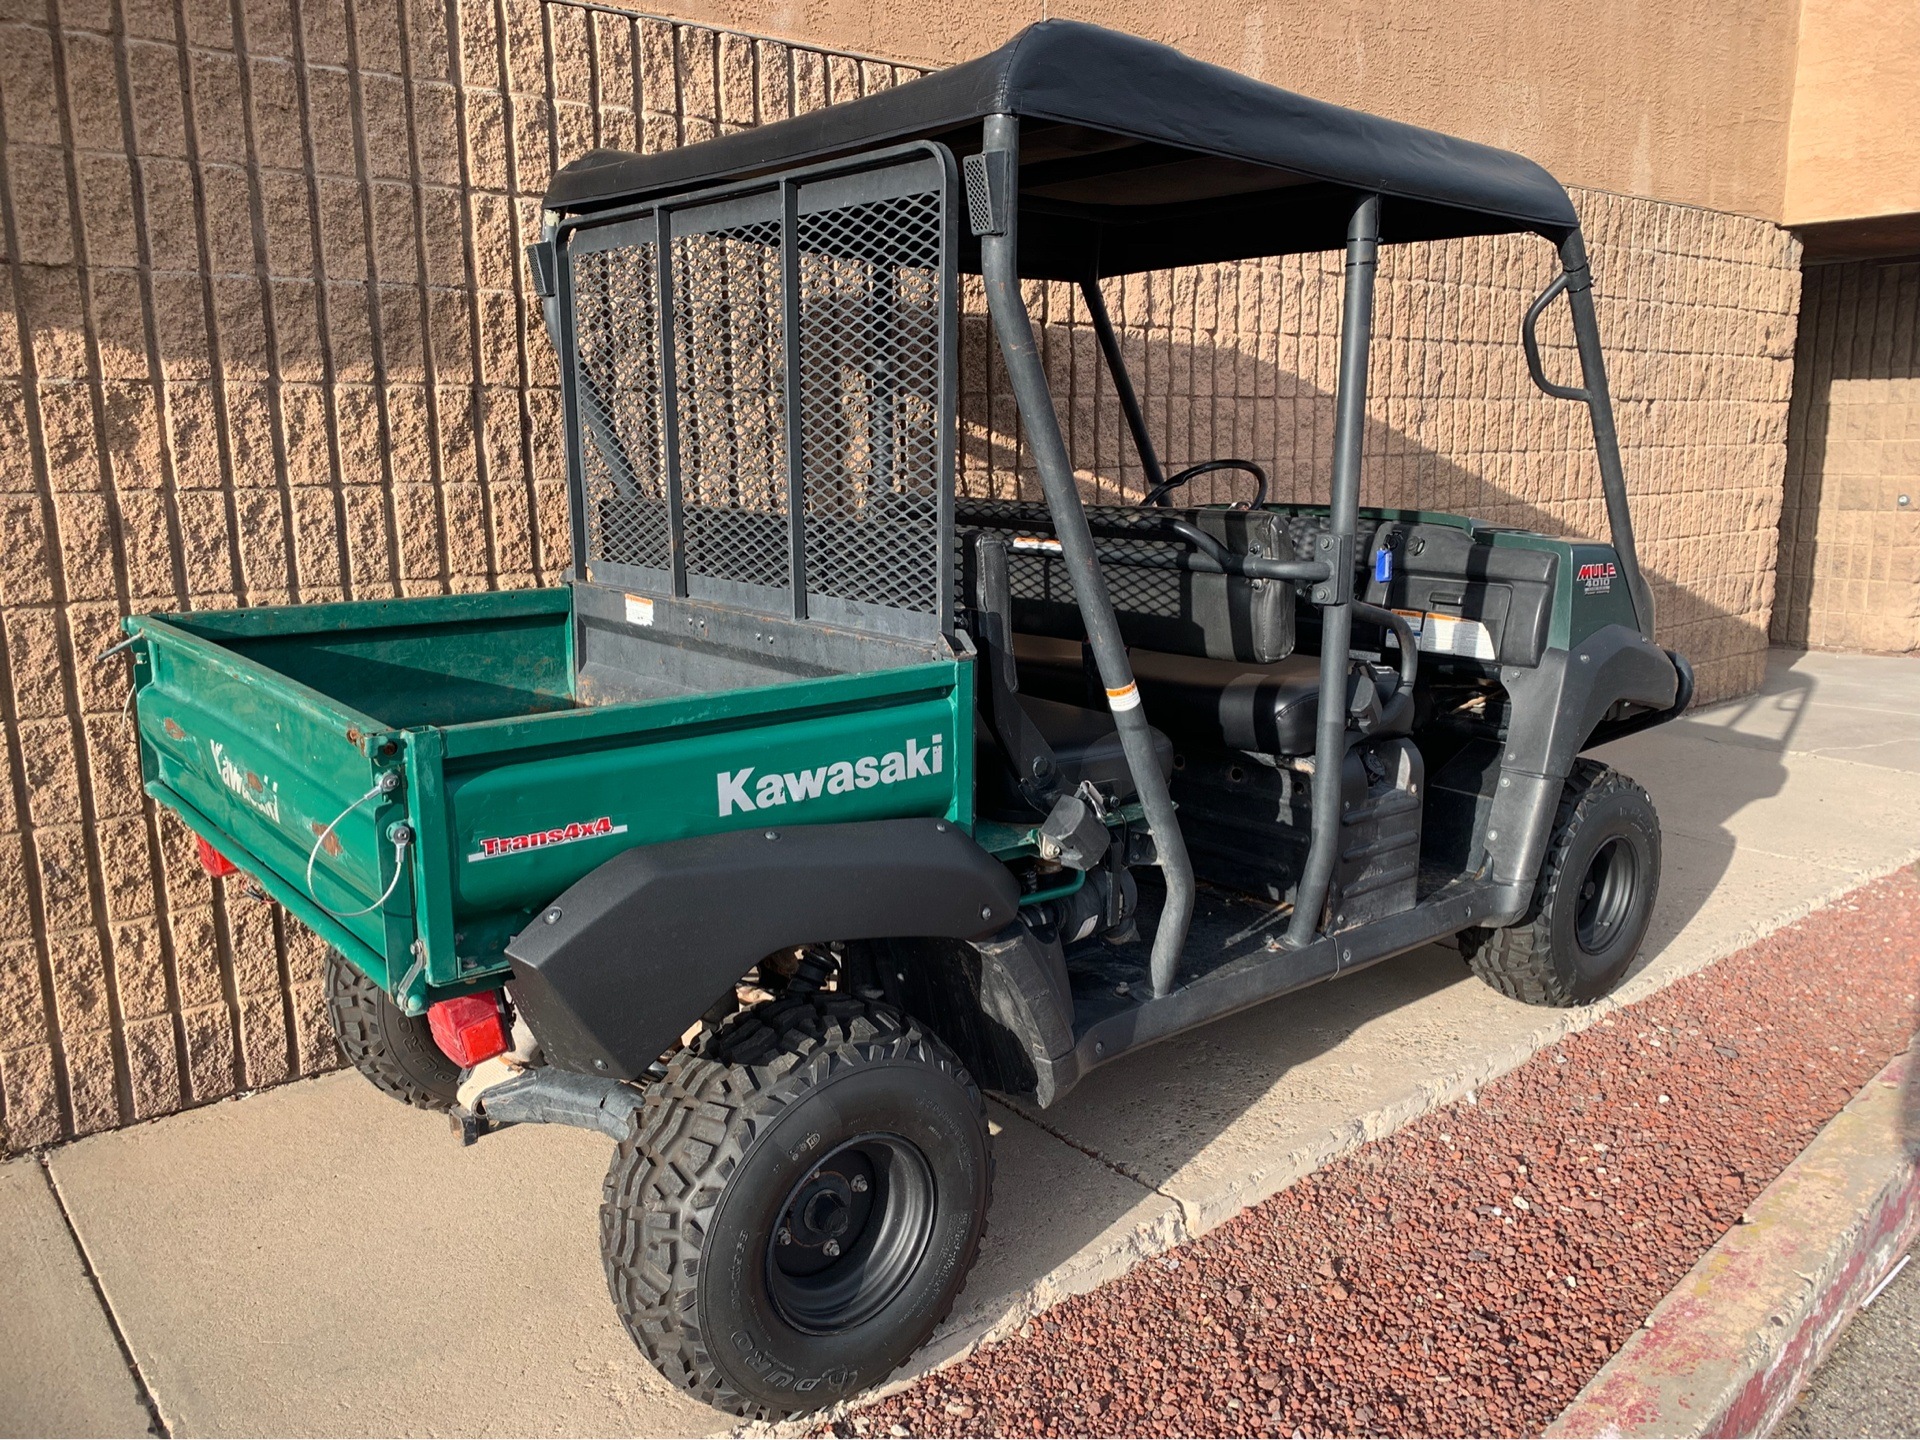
x=264, y=336
x=1849, y=549
x=1684, y=100
x=1854, y=145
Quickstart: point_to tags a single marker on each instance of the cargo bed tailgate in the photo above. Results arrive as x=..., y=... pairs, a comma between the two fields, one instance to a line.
x=281, y=780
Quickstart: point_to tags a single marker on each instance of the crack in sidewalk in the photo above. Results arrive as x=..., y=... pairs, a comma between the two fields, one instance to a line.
x=157, y=1424
x=1033, y=1118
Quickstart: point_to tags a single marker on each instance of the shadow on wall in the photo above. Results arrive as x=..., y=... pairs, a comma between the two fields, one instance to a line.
x=1515, y=457
x=1849, y=566
x=173, y=989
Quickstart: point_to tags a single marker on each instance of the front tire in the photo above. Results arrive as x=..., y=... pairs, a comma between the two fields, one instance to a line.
x=798, y=1204
x=394, y=1050
x=1593, y=900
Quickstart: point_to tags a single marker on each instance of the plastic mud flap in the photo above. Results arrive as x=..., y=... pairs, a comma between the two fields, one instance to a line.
x=1558, y=710
x=615, y=970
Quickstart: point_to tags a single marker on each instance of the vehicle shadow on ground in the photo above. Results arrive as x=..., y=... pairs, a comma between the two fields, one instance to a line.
x=1217, y=1119
x=1706, y=780
x=1220, y=1117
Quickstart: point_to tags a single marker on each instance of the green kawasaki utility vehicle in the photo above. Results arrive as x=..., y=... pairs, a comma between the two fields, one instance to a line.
x=821, y=799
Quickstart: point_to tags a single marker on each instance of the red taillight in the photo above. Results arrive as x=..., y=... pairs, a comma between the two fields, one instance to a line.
x=212, y=861
x=470, y=1029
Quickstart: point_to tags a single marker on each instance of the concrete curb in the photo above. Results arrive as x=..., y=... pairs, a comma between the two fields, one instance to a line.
x=1730, y=1349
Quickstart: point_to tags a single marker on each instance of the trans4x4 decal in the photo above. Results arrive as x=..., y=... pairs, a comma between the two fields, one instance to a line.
x=494, y=846
x=739, y=790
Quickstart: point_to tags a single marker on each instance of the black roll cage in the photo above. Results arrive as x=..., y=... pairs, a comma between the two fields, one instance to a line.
x=992, y=178
x=995, y=207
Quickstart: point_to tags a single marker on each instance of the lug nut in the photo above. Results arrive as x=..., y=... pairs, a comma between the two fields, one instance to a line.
x=858, y=1184
x=832, y=1248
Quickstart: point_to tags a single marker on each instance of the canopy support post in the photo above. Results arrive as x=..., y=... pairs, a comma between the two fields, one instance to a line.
x=1334, y=595
x=1123, y=383
x=1606, y=439
x=1013, y=326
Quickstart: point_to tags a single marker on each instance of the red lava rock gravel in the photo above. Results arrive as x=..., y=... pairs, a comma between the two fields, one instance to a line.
x=1470, y=1273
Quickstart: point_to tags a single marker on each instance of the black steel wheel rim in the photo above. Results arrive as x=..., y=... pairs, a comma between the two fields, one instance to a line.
x=1608, y=894
x=851, y=1234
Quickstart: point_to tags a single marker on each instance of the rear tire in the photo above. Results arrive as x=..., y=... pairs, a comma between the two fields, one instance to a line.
x=836, y=1123
x=1591, y=904
x=391, y=1048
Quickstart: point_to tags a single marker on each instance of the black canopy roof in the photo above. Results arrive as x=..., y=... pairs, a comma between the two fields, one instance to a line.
x=1134, y=157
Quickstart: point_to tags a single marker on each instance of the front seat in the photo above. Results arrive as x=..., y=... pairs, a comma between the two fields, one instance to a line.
x=1230, y=704
x=1029, y=747
x=1264, y=709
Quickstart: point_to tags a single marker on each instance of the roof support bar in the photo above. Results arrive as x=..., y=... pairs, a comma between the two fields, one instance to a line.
x=1123, y=383
x=1335, y=594
x=1013, y=326
x=1606, y=440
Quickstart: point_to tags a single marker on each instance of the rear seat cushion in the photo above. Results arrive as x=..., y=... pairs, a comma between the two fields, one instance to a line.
x=1268, y=709
x=1086, y=747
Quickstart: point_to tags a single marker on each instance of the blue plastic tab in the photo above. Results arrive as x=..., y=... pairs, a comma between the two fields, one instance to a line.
x=1383, y=565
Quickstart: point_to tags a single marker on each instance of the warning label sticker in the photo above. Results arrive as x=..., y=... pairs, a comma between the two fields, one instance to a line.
x=1437, y=634
x=639, y=610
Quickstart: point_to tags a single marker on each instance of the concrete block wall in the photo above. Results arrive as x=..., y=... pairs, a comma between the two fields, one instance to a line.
x=1849, y=547
x=264, y=338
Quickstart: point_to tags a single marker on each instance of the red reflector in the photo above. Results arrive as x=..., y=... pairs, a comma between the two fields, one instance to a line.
x=469, y=1029
x=212, y=861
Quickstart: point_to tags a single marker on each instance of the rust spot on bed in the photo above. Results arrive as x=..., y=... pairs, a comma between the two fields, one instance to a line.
x=172, y=727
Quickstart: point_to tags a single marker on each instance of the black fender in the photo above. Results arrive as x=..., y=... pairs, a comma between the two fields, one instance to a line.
x=614, y=971
x=1607, y=731
x=1558, y=709
x=1003, y=1004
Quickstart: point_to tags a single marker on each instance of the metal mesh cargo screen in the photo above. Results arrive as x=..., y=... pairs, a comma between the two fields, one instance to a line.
x=766, y=418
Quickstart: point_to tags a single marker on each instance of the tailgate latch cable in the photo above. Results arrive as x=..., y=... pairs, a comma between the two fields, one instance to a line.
x=401, y=835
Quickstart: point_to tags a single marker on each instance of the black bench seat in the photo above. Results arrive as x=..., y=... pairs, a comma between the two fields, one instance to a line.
x=1229, y=704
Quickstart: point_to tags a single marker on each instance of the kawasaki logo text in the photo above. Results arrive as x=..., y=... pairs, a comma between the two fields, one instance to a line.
x=739, y=790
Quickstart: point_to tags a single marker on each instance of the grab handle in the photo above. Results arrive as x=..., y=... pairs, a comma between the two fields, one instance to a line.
x=1530, y=342
x=1403, y=637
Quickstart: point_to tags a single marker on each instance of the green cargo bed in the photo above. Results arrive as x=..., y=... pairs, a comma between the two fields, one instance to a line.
x=523, y=738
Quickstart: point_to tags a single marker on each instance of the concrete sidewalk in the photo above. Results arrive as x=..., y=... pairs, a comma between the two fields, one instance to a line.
x=318, y=1260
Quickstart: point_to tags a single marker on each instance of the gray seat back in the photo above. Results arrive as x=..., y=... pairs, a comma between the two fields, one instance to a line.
x=1159, y=606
